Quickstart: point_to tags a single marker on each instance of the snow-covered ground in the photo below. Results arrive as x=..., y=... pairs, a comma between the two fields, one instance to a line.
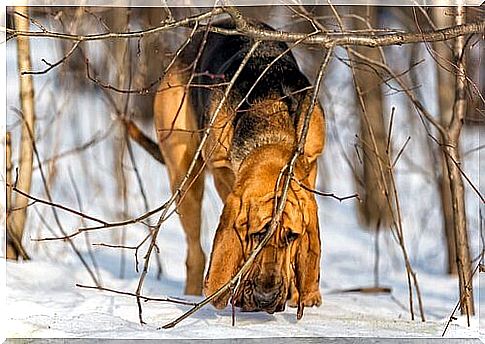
x=43, y=302
x=42, y=297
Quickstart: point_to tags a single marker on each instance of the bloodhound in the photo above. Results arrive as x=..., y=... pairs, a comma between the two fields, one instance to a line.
x=245, y=150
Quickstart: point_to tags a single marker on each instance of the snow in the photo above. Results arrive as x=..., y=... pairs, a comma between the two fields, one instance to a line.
x=42, y=297
x=43, y=301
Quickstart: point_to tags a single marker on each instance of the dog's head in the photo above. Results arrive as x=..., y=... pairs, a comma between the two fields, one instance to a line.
x=243, y=224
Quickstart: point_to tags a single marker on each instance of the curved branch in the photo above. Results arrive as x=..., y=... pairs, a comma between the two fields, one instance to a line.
x=243, y=27
x=114, y=35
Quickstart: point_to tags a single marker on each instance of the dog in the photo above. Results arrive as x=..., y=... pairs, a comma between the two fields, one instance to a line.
x=245, y=150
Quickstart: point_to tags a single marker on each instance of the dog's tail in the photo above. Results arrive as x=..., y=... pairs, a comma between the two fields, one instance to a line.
x=143, y=140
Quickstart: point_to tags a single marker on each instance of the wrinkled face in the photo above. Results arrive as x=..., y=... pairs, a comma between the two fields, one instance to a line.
x=244, y=223
x=267, y=285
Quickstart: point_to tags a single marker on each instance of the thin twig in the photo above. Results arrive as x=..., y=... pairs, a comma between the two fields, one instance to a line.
x=56, y=217
x=53, y=65
x=144, y=197
x=112, y=35
x=396, y=159
x=327, y=194
x=144, y=298
x=56, y=205
x=86, y=235
x=95, y=139
x=461, y=299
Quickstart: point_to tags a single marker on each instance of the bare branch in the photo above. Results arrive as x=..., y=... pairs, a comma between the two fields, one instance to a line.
x=326, y=194
x=112, y=35
x=56, y=205
x=49, y=197
x=144, y=298
x=53, y=65
x=343, y=39
x=243, y=27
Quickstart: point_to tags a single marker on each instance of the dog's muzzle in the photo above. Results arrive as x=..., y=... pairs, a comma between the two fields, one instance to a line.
x=265, y=299
x=258, y=297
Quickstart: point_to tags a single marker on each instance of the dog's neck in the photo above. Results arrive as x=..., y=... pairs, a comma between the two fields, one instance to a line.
x=267, y=124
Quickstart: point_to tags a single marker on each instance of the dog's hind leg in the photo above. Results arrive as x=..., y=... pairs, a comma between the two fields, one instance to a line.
x=176, y=125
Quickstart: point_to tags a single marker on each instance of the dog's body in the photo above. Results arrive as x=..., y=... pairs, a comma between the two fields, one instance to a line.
x=245, y=151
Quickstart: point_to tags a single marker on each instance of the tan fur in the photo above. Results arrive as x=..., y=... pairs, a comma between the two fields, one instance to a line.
x=247, y=189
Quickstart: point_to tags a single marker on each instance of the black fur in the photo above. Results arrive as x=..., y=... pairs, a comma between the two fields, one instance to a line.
x=221, y=57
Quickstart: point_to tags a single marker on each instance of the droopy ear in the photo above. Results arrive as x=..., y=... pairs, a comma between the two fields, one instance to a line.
x=307, y=265
x=227, y=254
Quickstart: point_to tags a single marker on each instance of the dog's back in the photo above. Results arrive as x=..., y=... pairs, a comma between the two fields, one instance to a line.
x=220, y=57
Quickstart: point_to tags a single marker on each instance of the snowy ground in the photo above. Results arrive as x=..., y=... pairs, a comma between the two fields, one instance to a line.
x=47, y=304
x=43, y=301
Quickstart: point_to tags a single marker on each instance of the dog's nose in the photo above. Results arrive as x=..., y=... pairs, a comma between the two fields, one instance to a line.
x=264, y=298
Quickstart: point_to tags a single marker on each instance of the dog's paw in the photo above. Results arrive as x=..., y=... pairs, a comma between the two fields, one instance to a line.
x=312, y=299
x=220, y=302
x=308, y=300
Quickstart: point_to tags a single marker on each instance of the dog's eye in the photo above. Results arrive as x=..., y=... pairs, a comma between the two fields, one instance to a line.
x=290, y=236
x=260, y=235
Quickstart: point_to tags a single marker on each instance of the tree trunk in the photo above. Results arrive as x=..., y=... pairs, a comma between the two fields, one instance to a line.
x=8, y=165
x=476, y=73
x=374, y=210
x=446, y=94
x=121, y=54
x=451, y=147
x=14, y=246
x=24, y=179
x=147, y=65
